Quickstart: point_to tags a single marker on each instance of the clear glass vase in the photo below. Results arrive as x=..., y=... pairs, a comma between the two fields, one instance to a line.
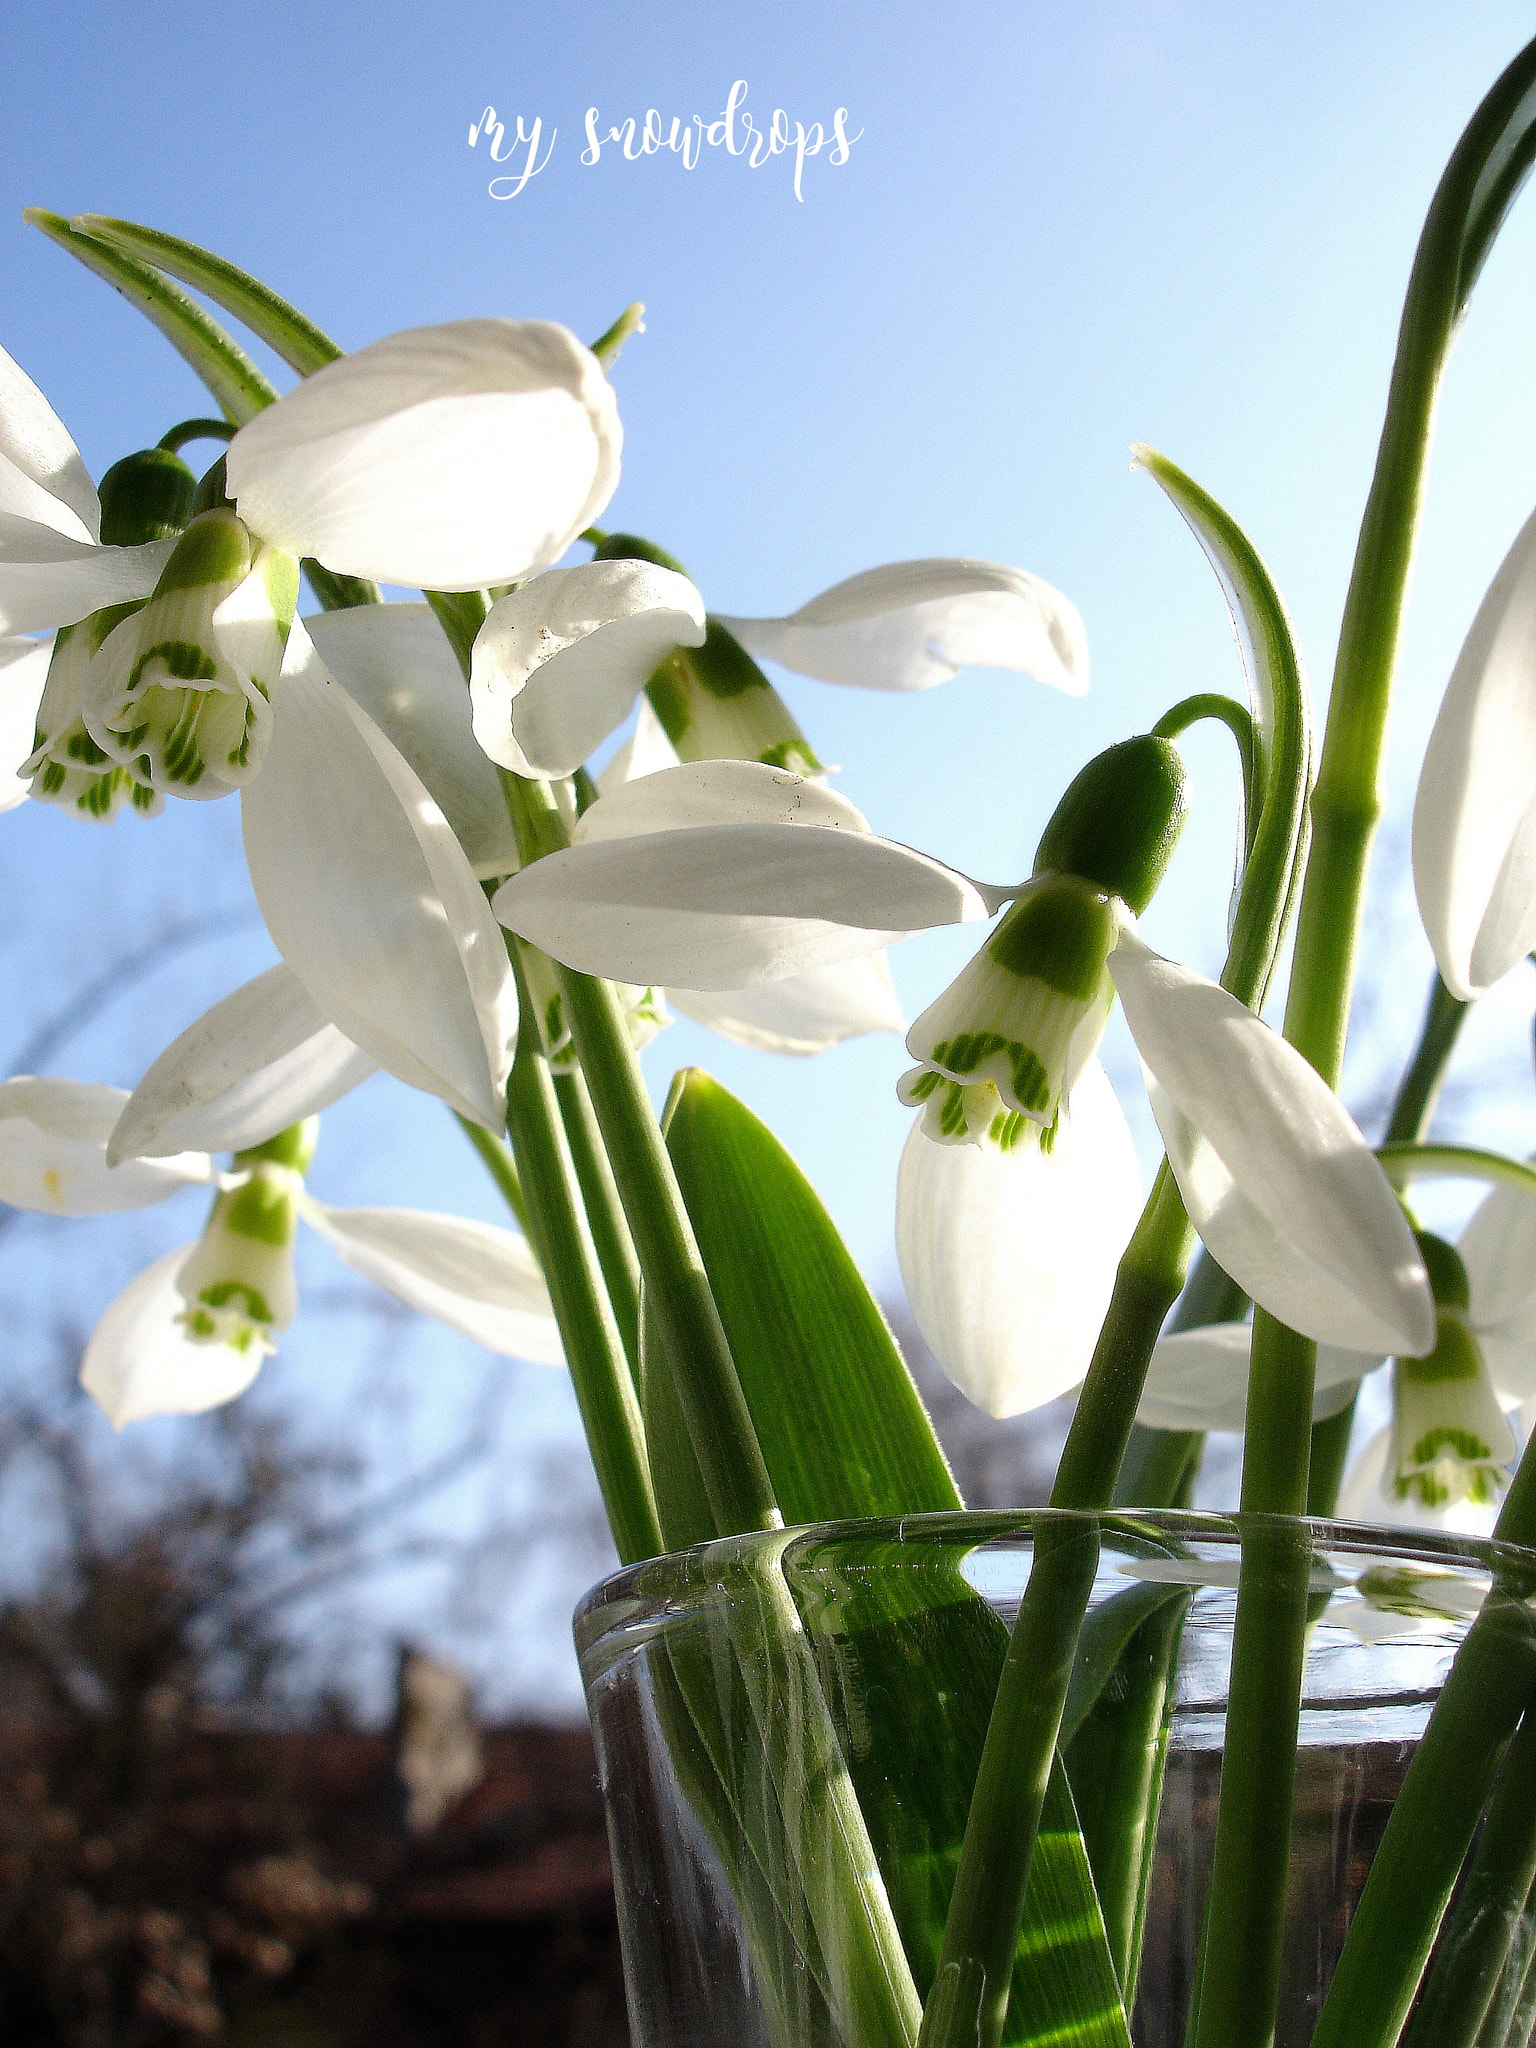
x=778, y=1718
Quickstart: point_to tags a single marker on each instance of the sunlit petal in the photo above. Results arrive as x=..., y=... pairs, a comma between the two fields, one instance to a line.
x=1474, y=819
x=51, y=579
x=394, y=659
x=142, y=1361
x=41, y=474
x=370, y=900
x=450, y=457
x=560, y=660
x=908, y=625
x=803, y=1013
x=1009, y=1257
x=53, y=1151
x=473, y=1276
x=260, y=1060
x=1275, y=1174
x=1198, y=1379
x=23, y=672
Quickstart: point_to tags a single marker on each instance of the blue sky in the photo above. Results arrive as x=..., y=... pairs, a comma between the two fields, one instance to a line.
x=1061, y=229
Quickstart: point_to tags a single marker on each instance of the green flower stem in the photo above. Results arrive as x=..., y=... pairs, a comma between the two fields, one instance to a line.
x=1245, y=1917
x=1160, y=1464
x=610, y=1233
x=499, y=1165
x=1490, y=1913
x=677, y=1290
x=605, y=1390
x=969, y=2000
x=1325, y=1465
x=1419, y=1089
x=1238, y=720
x=1490, y=1685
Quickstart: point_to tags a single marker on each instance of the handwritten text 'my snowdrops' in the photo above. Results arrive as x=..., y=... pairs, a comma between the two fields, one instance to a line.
x=527, y=151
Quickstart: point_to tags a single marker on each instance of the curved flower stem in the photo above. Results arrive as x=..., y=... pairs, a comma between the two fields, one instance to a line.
x=499, y=1165
x=605, y=1390
x=1239, y=1970
x=610, y=1234
x=1419, y=1090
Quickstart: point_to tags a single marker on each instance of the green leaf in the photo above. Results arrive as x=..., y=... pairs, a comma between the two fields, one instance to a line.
x=1282, y=730
x=236, y=383
x=282, y=327
x=842, y=1428
x=910, y=1657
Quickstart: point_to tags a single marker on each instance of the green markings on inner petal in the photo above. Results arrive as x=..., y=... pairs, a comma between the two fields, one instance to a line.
x=971, y=1049
x=182, y=659
x=236, y=1293
x=1060, y=935
x=81, y=747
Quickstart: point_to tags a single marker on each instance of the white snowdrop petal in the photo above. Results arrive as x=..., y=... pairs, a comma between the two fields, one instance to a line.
x=477, y=1278
x=908, y=625
x=1363, y=1498
x=560, y=661
x=370, y=900
x=49, y=579
x=450, y=457
x=647, y=752
x=1275, y=1174
x=260, y=1060
x=1474, y=818
x=803, y=1013
x=1198, y=1379
x=37, y=446
x=23, y=673
x=141, y=1361
x=394, y=660
x=53, y=1139
x=1009, y=1258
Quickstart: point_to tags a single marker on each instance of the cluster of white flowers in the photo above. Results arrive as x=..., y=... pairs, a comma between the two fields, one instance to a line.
x=469, y=457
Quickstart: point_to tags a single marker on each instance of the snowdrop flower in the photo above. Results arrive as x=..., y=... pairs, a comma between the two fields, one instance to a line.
x=1474, y=819
x=559, y=662
x=723, y=874
x=191, y=1331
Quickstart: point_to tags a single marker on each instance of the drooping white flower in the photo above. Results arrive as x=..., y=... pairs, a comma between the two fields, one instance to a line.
x=191, y=1331
x=1474, y=819
x=1009, y=1257
x=733, y=873
x=23, y=680
x=909, y=625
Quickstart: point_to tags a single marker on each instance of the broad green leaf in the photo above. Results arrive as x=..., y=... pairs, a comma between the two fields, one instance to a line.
x=236, y=383
x=842, y=1428
x=910, y=1656
x=282, y=327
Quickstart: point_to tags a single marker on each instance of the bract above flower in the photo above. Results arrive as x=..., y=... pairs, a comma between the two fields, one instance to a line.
x=1009, y=1258
x=909, y=625
x=560, y=661
x=723, y=874
x=1474, y=818
x=450, y=457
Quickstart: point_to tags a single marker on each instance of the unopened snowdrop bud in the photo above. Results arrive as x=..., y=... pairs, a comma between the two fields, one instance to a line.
x=1450, y=1441
x=1009, y=1036
x=238, y=1283
x=713, y=701
x=147, y=496
x=179, y=694
x=645, y=1011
